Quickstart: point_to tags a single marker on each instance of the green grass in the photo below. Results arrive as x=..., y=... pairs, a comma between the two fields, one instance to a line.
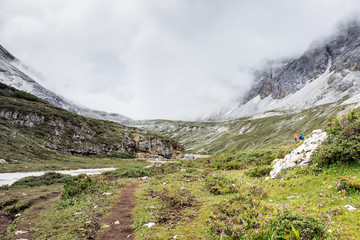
x=304, y=192
x=77, y=217
x=244, y=133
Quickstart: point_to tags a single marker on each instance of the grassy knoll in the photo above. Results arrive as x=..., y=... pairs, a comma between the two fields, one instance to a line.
x=199, y=202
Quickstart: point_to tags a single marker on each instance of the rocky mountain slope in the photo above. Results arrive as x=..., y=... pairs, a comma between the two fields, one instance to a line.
x=327, y=72
x=34, y=129
x=16, y=74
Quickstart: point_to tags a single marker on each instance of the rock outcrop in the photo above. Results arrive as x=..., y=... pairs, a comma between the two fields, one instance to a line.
x=329, y=71
x=301, y=155
x=65, y=132
x=279, y=79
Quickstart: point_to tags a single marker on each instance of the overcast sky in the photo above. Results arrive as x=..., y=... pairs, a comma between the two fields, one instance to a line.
x=172, y=59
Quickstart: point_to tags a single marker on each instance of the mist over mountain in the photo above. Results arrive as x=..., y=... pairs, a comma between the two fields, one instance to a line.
x=13, y=73
x=325, y=73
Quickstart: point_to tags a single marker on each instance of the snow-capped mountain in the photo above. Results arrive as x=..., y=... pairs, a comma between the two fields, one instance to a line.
x=16, y=74
x=329, y=71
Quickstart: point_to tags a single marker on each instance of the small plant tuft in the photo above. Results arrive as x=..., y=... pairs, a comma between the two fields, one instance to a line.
x=220, y=184
x=349, y=184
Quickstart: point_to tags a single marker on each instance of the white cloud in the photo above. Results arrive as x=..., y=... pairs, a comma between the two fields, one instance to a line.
x=160, y=59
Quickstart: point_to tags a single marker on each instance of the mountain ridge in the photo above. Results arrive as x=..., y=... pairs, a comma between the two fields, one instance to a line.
x=337, y=59
x=12, y=74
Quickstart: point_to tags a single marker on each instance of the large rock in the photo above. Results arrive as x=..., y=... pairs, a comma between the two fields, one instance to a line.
x=301, y=155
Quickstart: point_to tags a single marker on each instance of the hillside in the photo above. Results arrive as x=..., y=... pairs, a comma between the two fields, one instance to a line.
x=32, y=129
x=215, y=137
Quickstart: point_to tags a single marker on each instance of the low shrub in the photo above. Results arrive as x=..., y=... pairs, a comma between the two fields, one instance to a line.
x=177, y=198
x=220, y=184
x=259, y=171
x=25, y=95
x=289, y=225
x=343, y=144
x=349, y=184
x=82, y=186
x=237, y=217
x=47, y=179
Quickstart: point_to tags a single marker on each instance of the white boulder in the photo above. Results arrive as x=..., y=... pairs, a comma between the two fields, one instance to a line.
x=301, y=155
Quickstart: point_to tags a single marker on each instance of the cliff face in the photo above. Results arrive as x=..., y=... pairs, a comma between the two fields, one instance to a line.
x=80, y=139
x=58, y=130
x=340, y=53
x=327, y=72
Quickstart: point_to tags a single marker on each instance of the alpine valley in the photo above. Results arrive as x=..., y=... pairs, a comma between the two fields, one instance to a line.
x=243, y=177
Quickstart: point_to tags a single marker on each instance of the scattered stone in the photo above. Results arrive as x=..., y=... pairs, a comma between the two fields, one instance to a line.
x=183, y=188
x=149, y=225
x=117, y=222
x=105, y=226
x=144, y=178
x=107, y=194
x=24, y=194
x=88, y=222
x=3, y=161
x=20, y=232
x=176, y=236
x=77, y=213
x=349, y=207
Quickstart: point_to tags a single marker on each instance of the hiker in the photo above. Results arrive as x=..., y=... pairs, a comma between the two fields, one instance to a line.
x=296, y=137
x=301, y=138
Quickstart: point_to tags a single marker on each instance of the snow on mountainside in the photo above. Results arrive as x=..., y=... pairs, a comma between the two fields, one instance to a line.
x=327, y=72
x=16, y=74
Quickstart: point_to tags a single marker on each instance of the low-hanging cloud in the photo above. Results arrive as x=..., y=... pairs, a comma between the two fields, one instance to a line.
x=160, y=59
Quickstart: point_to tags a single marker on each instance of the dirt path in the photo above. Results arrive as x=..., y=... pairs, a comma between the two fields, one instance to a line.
x=120, y=216
x=40, y=199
